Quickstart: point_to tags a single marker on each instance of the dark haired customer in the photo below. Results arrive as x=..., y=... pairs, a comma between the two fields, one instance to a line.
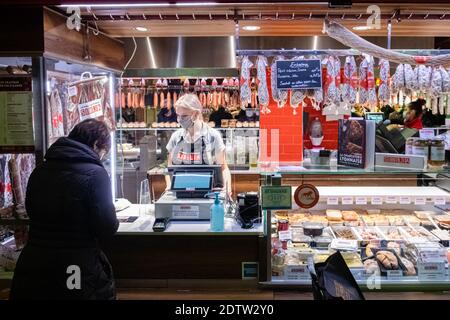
x=70, y=205
x=413, y=118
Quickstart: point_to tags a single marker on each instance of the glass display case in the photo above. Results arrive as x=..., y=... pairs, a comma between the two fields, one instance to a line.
x=391, y=226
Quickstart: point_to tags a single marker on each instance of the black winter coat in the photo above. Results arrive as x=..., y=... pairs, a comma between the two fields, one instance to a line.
x=70, y=206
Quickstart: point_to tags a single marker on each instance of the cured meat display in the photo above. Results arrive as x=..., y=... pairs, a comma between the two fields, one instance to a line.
x=55, y=115
x=332, y=81
x=384, y=93
x=263, y=91
x=279, y=96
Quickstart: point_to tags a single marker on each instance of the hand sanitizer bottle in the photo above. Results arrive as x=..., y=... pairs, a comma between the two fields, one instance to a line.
x=217, y=214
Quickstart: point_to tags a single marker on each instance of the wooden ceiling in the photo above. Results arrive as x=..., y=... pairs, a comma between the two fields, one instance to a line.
x=268, y=23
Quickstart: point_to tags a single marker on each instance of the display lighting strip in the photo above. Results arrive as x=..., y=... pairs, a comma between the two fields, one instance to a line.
x=294, y=16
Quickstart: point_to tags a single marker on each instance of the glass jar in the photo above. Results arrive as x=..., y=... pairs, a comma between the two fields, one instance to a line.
x=409, y=145
x=420, y=148
x=437, y=152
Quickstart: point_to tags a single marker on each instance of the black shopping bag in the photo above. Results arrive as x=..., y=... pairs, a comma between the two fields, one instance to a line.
x=333, y=280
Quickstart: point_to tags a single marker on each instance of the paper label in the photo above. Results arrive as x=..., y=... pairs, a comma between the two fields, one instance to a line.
x=296, y=272
x=91, y=109
x=405, y=200
x=419, y=201
x=431, y=271
x=347, y=200
x=377, y=200
x=426, y=133
x=73, y=91
x=439, y=201
x=332, y=201
x=391, y=200
x=185, y=212
x=361, y=200
x=285, y=235
x=394, y=274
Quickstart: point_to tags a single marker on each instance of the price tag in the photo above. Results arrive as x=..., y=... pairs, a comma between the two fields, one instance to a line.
x=377, y=200
x=285, y=235
x=405, y=200
x=391, y=200
x=420, y=201
x=394, y=274
x=426, y=133
x=431, y=271
x=439, y=201
x=332, y=201
x=361, y=200
x=73, y=91
x=347, y=200
x=297, y=272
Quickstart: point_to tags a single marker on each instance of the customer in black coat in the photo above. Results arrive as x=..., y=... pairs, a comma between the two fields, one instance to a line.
x=70, y=205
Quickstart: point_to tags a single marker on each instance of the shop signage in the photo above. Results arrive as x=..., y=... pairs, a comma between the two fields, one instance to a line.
x=299, y=74
x=16, y=115
x=361, y=200
x=332, y=201
x=306, y=196
x=299, y=272
x=185, y=212
x=377, y=200
x=276, y=197
x=249, y=270
x=429, y=271
x=403, y=161
x=347, y=200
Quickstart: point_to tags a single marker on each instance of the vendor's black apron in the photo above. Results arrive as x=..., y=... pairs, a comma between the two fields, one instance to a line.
x=193, y=154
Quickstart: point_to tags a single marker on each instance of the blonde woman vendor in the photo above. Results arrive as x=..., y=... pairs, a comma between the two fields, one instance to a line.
x=196, y=143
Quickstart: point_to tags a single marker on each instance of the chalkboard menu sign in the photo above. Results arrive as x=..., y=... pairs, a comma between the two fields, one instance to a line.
x=299, y=74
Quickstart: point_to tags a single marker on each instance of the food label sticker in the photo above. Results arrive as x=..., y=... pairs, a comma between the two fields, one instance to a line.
x=394, y=274
x=285, y=235
x=296, y=272
x=361, y=200
x=332, y=201
x=185, y=212
x=431, y=271
x=377, y=200
x=405, y=200
x=73, y=91
x=347, y=200
x=419, y=201
x=439, y=201
x=426, y=133
x=391, y=200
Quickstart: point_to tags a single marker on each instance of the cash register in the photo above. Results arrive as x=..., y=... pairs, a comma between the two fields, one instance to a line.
x=190, y=196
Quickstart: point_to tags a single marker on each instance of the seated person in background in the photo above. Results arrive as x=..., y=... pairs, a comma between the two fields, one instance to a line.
x=413, y=118
x=396, y=116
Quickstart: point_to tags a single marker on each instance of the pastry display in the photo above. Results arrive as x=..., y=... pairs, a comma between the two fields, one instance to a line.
x=344, y=233
x=334, y=215
x=394, y=246
x=445, y=218
x=395, y=220
x=409, y=266
x=371, y=266
x=423, y=215
x=368, y=234
x=392, y=233
x=350, y=216
x=387, y=259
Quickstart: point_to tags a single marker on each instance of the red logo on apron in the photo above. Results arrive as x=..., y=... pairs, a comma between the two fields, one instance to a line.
x=182, y=156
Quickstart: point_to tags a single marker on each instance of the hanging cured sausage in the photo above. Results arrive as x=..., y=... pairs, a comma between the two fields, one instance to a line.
x=263, y=90
x=245, y=93
x=280, y=96
x=383, y=90
x=332, y=92
x=350, y=81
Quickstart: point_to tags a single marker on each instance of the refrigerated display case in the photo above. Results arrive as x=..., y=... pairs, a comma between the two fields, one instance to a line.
x=391, y=225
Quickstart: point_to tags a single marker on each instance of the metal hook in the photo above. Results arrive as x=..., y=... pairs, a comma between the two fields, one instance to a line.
x=310, y=15
x=93, y=14
x=326, y=15
x=260, y=15
x=193, y=16
x=276, y=16
x=226, y=15
x=409, y=17
x=293, y=15
x=243, y=16
x=343, y=16
x=176, y=16
x=359, y=17
x=210, y=17
x=128, y=17
x=111, y=16
x=160, y=16
x=144, y=16
x=442, y=17
x=96, y=32
x=426, y=16
x=393, y=15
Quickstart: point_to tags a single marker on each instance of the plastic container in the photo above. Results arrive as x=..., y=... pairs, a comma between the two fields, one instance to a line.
x=217, y=215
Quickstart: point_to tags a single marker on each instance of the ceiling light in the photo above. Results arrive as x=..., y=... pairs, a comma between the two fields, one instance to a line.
x=142, y=29
x=251, y=28
x=361, y=28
